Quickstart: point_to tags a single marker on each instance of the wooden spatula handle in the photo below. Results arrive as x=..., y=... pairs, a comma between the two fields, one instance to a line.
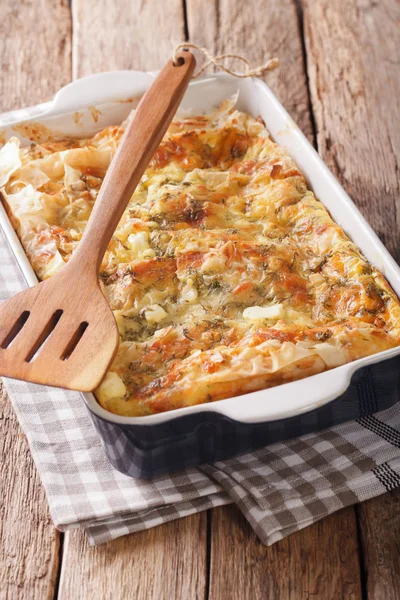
x=141, y=139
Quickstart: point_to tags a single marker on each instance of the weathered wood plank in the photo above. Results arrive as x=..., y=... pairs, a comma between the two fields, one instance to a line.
x=257, y=31
x=292, y=568
x=126, y=34
x=352, y=53
x=159, y=564
x=35, y=59
x=380, y=534
x=169, y=561
x=35, y=51
x=29, y=544
x=316, y=562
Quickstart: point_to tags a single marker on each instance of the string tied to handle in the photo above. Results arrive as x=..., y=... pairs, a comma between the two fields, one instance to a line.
x=217, y=61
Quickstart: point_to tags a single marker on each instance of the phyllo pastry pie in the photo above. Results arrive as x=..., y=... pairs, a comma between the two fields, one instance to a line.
x=226, y=275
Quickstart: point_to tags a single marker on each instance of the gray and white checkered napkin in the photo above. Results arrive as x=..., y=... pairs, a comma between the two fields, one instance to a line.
x=279, y=489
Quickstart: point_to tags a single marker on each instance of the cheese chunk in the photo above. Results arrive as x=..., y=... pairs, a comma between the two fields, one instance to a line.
x=139, y=245
x=273, y=312
x=111, y=387
x=155, y=314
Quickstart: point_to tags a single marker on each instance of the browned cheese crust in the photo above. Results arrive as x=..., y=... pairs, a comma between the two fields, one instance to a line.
x=226, y=275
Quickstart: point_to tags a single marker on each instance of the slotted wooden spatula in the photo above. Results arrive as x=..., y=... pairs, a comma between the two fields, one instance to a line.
x=62, y=331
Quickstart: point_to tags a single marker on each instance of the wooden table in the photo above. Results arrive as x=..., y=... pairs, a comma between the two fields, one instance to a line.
x=340, y=81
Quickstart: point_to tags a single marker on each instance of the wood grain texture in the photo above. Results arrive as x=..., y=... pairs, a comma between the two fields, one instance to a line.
x=379, y=520
x=163, y=563
x=35, y=59
x=128, y=34
x=316, y=562
x=352, y=53
x=257, y=31
x=35, y=51
x=353, y=63
x=29, y=544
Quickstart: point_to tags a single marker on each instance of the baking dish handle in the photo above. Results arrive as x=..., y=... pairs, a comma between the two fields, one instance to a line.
x=112, y=86
x=100, y=88
x=310, y=393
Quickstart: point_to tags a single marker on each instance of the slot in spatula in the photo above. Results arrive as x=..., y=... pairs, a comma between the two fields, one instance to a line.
x=62, y=332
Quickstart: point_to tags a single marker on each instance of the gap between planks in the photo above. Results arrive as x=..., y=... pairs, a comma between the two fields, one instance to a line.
x=32, y=72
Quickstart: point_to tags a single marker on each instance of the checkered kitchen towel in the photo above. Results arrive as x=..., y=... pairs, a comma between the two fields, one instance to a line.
x=279, y=489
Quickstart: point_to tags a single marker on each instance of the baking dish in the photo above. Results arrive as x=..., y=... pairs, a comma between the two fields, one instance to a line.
x=145, y=446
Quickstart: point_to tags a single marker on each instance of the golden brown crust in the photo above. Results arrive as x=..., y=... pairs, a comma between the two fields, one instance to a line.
x=225, y=274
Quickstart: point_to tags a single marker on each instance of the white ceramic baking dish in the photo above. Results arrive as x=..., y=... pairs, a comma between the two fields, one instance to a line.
x=113, y=94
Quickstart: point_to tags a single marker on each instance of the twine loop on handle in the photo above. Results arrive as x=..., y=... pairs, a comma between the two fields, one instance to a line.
x=270, y=65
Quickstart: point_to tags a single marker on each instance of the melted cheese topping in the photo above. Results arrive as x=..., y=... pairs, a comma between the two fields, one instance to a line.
x=225, y=275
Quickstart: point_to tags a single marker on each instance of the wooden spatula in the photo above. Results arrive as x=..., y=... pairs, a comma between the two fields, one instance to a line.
x=62, y=331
